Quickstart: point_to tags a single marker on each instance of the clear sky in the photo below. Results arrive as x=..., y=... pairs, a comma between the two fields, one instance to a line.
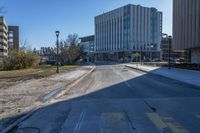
x=38, y=19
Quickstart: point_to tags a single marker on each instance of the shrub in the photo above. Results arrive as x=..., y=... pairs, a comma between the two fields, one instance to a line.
x=1, y=65
x=19, y=60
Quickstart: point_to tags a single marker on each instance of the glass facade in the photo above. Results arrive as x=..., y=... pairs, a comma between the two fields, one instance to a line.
x=129, y=28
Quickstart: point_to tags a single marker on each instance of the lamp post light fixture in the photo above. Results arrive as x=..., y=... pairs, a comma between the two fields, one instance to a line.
x=57, y=45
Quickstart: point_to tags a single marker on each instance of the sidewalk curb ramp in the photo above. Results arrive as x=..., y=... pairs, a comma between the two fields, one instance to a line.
x=13, y=125
x=196, y=87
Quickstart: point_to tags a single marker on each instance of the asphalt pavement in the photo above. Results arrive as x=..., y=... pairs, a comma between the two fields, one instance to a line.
x=117, y=99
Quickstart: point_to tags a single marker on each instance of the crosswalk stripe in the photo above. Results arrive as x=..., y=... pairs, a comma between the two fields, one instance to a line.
x=155, y=118
x=166, y=122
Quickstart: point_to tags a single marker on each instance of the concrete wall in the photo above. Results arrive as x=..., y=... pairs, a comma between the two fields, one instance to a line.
x=186, y=24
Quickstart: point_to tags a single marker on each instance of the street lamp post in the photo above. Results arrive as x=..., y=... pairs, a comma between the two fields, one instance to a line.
x=140, y=55
x=169, y=53
x=57, y=44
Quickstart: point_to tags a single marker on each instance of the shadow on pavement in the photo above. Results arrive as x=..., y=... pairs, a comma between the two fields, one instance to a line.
x=115, y=98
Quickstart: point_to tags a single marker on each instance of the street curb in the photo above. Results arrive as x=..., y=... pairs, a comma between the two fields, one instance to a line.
x=10, y=127
x=138, y=69
x=196, y=87
x=74, y=83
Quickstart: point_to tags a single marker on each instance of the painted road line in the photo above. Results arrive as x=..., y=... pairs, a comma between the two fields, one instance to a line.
x=166, y=123
x=174, y=126
x=115, y=122
x=78, y=124
x=155, y=118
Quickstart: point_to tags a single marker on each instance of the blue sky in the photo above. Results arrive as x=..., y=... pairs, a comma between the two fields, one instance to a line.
x=38, y=19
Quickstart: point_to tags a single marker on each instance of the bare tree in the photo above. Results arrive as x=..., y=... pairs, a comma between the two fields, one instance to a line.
x=73, y=39
x=25, y=46
x=69, y=49
x=74, y=53
x=63, y=52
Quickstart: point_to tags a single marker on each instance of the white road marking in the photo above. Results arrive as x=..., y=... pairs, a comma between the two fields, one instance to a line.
x=155, y=118
x=78, y=124
x=166, y=122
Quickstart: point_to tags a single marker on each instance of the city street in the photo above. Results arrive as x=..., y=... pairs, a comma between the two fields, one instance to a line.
x=117, y=67
x=117, y=99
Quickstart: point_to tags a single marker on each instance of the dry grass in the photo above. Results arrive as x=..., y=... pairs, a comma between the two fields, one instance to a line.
x=39, y=72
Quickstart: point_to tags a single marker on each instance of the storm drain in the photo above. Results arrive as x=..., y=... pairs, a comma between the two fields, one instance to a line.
x=52, y=94
x=27, y=130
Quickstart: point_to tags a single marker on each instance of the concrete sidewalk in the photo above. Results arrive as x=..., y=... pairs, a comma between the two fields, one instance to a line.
x=183, y=75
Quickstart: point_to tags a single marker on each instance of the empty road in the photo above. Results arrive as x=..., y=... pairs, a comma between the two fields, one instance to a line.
x=116, y=99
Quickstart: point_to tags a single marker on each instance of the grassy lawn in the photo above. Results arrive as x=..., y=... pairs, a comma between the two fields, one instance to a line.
x=134, y=62
x=39, y=72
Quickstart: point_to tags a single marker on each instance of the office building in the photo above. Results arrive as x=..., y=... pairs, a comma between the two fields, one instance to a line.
x=128, y=29
x=13, y=38
x=167, y=51
x=186, y=27
x=87, y=43
x=3, y=38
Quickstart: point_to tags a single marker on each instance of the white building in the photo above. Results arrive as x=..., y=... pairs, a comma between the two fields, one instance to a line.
x=87, y=43
x=3, y=38
x=128, y=29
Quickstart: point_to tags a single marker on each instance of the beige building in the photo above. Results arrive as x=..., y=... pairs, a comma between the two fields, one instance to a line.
x=3, y=38
x=186, y=27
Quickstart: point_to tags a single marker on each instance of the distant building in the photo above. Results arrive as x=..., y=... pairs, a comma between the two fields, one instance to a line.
x=3, y=38
x=186, y=27
x=13, y=37
x=166, y=49
x=126, y=30
x=87, y=43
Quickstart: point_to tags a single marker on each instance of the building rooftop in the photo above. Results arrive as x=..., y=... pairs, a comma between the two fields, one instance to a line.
x=87, y=38
x=124, y=6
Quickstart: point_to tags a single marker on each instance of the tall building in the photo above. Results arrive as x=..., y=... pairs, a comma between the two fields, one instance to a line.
x=3, y=38
x=128, y=29
x=186, y=27
x=167, y=51
x=87, y=43
x=13, y=37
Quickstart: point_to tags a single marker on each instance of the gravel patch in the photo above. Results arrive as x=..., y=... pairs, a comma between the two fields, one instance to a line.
x=19, y=97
